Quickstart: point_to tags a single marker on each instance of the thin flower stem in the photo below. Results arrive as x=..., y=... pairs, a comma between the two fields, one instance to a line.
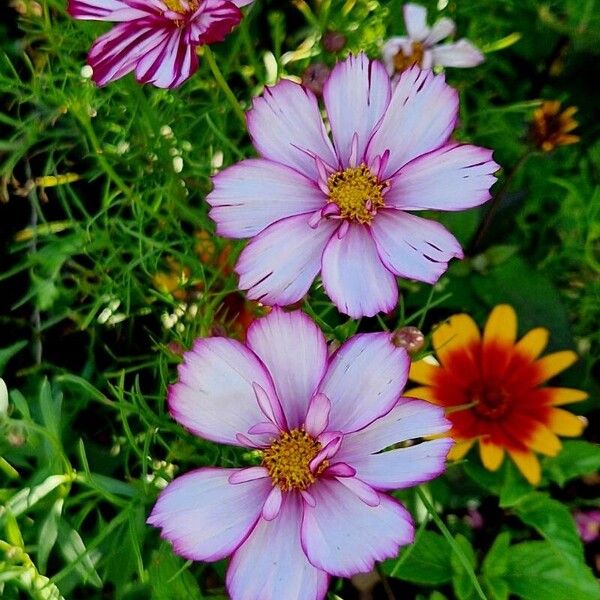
x=455, y=547
x=235, y=105
x=496, y=201
x=387, y=588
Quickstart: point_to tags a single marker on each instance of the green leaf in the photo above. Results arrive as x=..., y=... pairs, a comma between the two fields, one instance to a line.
x=514, y=486
x=75, y=552
x=426, y=562
x=462, y=582
x=536, y=572
x=48, y=534
x=7, y=353
x=576, y=458
x=496, y=561
x=169, y=579
x=497, y=587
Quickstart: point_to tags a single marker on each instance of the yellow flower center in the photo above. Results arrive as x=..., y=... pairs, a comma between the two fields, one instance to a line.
x=405, y=61
x=288, y=459
x=182, y=6
x=357, y=193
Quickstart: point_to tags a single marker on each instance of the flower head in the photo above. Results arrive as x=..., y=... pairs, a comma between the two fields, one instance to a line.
x=491, y=386
x=420, y=47
x=316, y=505
x=551, y=127
x=588, y=525
x=155, y=38
x=340, y=207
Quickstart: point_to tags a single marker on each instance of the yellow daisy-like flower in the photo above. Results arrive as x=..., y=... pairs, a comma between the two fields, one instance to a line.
x=492, y=389
x=551, y=127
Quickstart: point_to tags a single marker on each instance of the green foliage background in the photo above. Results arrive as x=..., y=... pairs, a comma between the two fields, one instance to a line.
x=84, y=349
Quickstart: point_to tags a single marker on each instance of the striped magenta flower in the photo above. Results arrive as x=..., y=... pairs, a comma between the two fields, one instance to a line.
x=340, y=207
x=157, y=39
x=316, y=505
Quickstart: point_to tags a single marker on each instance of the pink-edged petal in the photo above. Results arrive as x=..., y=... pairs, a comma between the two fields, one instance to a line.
x=213, y=21
x=254, y=193
x=294, y=351
x=270, y=406
x=249, y=474
x=356, y=96
x=214, y=397
x=404, y=467
x=279, y=265
x=415, y=19
x=339, y=470
x=342, y=535
x=361, y=490
x=454, y=177
x=169, y=64
x=329, y=449
x=113, y=10
x=354, y=277
x=204, y=516
x=412, y=247
x=460, y=54
x=408, y=420
x=271, y=565
x=441, y=29
x=240, y=3
x=273, y=503
x=364, y=380
x=420, y=118
x=286, y=127
x=265, y=427
x=317, y=416
x=118, y=52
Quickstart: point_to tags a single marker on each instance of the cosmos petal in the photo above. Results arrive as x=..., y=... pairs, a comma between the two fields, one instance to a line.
x=441, y=29
x=415, y=20
x=206, y=517
x=271, y=565
x=458, y=54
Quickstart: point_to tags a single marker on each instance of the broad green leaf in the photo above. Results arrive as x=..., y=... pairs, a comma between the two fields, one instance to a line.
x=427, y=561
x=24, y=499
x=496, y=561
x=496, y=587
x=576, y=458
x=536, y=572
x=462, y=583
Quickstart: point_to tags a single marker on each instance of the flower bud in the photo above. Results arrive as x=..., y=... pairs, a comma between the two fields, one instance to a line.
x=410, y=338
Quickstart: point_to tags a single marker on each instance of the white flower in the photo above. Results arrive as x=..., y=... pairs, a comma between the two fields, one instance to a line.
x=420, y=47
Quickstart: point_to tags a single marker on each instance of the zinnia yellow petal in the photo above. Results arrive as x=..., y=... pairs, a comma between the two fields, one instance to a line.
x=491, y=455
x=533, y=343
x=460, y=449
x=528, y=464
x=554, y=363
x=501, y=325
x=565, y=423
x=423, y=393
x=561, y=396
x=457, y=332
x=544, y=441
x=423, y=372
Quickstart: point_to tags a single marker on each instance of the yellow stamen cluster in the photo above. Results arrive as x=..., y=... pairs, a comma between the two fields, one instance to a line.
x=357, y=193
x=180, y=7
x=415, y=58
x=288, y=458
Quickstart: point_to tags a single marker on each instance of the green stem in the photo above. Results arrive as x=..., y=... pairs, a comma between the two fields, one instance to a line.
x=235, y=105
x=455, y=547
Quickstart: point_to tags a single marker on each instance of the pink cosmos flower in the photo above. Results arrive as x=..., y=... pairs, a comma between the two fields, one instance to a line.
x=340, y=208
x=316, y=506
x=588, y=525
x=155, y=38
x=421, y=46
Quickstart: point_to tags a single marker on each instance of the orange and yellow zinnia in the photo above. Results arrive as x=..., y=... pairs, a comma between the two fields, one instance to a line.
x=492, y=388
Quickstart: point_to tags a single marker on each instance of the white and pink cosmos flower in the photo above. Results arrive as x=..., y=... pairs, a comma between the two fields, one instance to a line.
x=317, y=504
x=340, y=207
x=157, y=39
x=420, y=46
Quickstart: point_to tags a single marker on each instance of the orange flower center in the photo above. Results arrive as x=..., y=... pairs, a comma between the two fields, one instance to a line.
x=357, y=192
x=490, y=402
x=406, y=61
x=288, y=459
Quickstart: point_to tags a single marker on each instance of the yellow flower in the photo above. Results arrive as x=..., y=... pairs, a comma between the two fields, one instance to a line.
x=551, y=128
